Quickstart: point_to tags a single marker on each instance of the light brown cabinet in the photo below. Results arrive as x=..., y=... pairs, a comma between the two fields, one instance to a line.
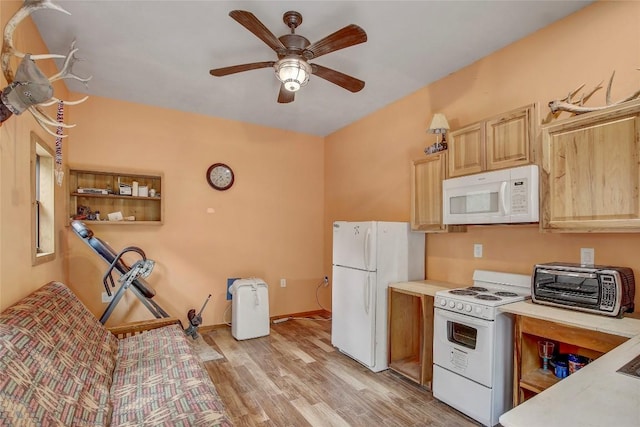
x=411, y=335
x=426, y=192
x=590, y=172
x=427, y=175
x=529, y=380
x=503, y=141
x=87, y=185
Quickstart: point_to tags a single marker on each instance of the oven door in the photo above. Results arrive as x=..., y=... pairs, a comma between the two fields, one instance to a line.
x=464, y=345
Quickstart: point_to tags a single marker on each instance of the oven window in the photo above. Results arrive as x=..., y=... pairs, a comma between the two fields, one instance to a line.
x=463, y=335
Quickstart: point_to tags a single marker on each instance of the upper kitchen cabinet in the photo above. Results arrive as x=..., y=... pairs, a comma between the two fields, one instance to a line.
x=590, y=173
x=502, y=141
x=427, y=175
x=466, y=150
x=426, y=192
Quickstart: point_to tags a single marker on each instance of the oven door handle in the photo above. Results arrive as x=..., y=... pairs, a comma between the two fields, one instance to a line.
x=461, y=318
x=568, y=273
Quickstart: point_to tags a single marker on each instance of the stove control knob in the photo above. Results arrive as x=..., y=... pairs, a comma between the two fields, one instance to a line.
x=478, y=310
x=452, y=304
x=467, y=308
x=459, y=306
x=443, y=302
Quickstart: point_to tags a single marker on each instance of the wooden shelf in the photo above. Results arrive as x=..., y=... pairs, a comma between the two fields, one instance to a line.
x=116, y=196
x=537, y=380
x=146, y=210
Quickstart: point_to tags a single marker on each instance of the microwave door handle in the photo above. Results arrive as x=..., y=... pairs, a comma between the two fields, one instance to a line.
x=503, y=198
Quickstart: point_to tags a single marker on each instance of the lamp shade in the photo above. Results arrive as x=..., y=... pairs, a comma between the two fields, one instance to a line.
x=292, y=72
x=438, y=124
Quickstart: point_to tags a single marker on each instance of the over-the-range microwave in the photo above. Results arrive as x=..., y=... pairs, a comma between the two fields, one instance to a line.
x=504, y=196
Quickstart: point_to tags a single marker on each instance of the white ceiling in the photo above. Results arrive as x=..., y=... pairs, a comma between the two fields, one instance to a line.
x=160, y=52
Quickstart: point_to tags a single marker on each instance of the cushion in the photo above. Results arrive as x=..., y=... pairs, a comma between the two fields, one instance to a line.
x=56, y=361
x=160, y=381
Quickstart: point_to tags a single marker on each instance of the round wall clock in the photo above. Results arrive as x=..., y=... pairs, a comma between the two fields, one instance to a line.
x=220, y=176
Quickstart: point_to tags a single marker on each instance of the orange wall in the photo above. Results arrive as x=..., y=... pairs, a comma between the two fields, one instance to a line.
x=368, y=163
x=268, y=225
x=17, y=276
x=276, y=221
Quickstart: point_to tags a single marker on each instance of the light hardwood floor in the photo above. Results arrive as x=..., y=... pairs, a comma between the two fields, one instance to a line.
x=295, y=378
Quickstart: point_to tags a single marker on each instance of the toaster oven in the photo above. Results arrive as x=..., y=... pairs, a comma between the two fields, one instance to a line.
x=595, y=289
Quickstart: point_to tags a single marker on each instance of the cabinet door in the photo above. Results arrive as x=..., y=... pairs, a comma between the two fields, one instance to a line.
x=509, y=138
x=426, y=192
x=466, y=150
x=590, y=172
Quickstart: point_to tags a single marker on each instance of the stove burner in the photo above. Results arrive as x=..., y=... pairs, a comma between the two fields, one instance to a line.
x=477, y=288
x=463, y=292
x=488, y=297
x=506, y=294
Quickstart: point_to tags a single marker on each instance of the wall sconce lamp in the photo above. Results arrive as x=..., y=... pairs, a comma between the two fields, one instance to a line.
x=439, y=126
x=293, y=73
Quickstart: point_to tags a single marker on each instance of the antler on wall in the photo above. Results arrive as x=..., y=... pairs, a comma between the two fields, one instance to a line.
x=577, y=106
x=9, y=50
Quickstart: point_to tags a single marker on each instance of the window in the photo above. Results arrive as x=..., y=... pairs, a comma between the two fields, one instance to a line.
x=42, y=206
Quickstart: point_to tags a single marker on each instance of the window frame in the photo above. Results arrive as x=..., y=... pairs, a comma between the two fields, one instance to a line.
x=43, y=242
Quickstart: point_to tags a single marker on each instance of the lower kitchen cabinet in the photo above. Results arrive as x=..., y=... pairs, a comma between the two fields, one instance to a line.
x=529, y=380
x=411, y=335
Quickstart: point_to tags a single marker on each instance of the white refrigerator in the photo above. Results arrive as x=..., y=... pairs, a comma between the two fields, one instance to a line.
x=367, y=256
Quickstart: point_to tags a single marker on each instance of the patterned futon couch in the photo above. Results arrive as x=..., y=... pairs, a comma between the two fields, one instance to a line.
x=60, y=367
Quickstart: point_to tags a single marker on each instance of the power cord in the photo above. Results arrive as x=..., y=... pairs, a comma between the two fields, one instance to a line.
x=324, y=283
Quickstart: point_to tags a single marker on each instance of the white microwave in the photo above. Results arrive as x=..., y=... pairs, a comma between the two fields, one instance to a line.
x=504, y=196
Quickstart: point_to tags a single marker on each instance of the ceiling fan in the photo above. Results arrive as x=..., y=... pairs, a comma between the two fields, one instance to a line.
x=294, y=51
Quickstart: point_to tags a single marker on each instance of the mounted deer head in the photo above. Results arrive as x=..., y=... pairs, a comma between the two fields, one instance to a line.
x=28, y=88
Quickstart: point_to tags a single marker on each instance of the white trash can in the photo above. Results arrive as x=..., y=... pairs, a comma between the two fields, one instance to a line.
x=250, y=308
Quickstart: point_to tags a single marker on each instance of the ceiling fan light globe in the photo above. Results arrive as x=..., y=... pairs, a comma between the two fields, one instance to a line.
x=292, y=85
x=293, y=73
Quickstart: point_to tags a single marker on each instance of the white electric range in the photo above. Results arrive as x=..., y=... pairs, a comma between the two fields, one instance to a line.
x=473, y=344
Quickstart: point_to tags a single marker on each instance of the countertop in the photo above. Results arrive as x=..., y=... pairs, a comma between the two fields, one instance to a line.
x=424, y=287
x=594, y=396
x=625, y=327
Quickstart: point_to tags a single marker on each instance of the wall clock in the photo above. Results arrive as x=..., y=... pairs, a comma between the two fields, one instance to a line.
x=220, y=176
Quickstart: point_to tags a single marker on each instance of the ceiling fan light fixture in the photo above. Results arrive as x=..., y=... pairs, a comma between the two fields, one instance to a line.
x=293, y=73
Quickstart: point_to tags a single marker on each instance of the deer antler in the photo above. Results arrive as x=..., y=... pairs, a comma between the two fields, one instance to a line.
x=9, y=50
x=577, y=107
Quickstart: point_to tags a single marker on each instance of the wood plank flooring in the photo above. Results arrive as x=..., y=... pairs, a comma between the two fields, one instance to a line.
x=295, y=378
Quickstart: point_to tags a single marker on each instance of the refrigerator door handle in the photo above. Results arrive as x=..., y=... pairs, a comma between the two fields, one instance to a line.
x=367, y=294
x=367, y=248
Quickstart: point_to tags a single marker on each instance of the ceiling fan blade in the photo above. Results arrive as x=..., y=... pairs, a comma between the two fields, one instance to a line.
x=336, y=77
x=285, y=96
x=347, y=36
x=219, y=72
x=253, y=24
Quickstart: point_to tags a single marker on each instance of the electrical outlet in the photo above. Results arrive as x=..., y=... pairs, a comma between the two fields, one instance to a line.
x=283, y=283
x=477, y=250
x=106, y=298
x=587, y=256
